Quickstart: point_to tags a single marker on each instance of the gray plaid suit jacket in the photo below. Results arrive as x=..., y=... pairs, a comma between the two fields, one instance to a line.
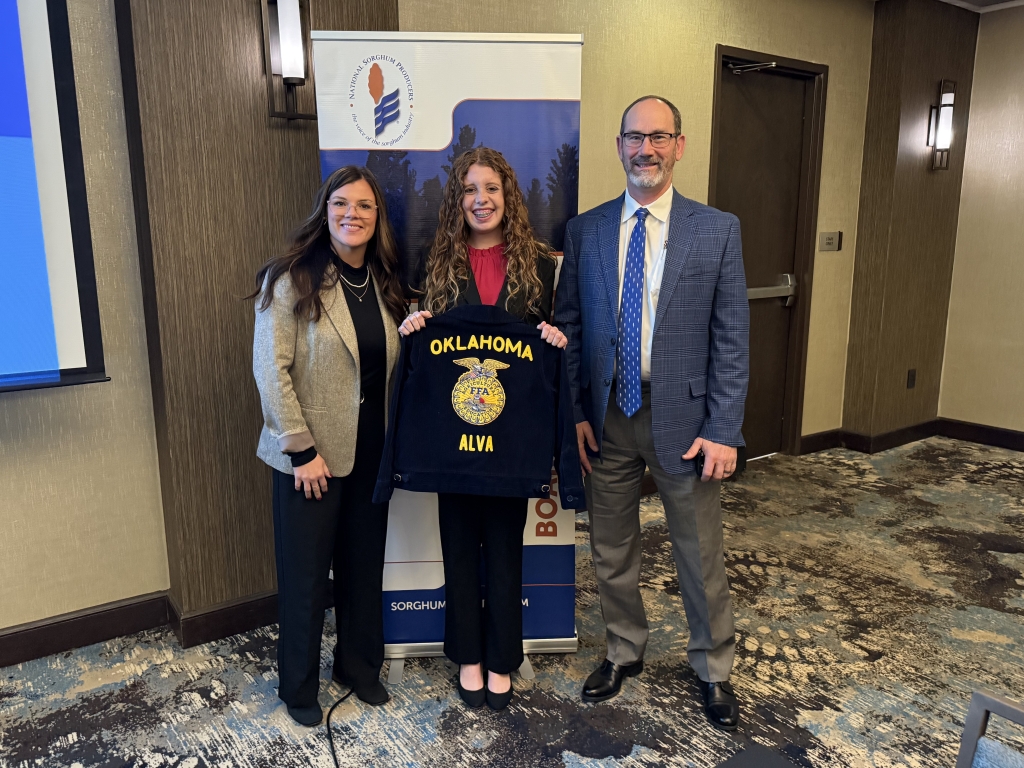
x=699, y=352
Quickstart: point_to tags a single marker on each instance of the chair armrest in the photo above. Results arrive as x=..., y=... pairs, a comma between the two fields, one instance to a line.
x=983, y=705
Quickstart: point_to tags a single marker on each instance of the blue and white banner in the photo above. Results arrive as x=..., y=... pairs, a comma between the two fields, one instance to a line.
x=405, y=105
x=414, y=575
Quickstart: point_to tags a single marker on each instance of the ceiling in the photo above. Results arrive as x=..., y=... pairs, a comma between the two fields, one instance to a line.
x=984, y=6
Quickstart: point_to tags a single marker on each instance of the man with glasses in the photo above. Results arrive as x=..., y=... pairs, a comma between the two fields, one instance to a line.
x=653, y=300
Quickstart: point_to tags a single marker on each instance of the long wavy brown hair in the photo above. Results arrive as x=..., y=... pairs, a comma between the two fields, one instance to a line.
x=448, y=262
x=308, y=260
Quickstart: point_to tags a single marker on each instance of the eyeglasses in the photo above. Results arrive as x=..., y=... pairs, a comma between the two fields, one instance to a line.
x=362, y=209
x=635, y=140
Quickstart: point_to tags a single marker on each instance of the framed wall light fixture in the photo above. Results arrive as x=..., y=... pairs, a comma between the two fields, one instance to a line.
x=940, y=126
x=285, y=35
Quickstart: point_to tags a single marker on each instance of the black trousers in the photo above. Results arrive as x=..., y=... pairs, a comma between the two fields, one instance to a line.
x=345, y=527
x=491, y=525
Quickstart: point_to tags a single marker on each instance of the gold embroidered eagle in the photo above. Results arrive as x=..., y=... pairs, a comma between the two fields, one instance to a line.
x=478, y=396
x=478, y=370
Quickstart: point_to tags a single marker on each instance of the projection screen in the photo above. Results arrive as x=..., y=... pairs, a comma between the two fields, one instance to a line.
x=49, y=316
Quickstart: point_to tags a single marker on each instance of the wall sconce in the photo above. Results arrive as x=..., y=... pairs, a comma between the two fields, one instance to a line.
x=940, y=126
x=285, y=32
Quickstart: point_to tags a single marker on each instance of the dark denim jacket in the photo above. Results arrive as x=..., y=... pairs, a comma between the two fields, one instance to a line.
x=481, y=406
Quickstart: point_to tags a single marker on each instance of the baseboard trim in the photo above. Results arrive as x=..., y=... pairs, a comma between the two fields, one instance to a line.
x=982, y=434
x=820, y=441
x=897, y=437
x=997, y=437
x=101, y=623
x=223, y=620
x=68, y=631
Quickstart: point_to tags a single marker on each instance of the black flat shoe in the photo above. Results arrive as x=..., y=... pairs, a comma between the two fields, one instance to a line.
x=373, y=693
x=307, y=716
x=606, y=680
x=498, y=701
x=474, y=699
x=720, y=705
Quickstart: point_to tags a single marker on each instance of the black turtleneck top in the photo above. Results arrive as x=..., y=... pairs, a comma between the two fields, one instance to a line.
x=366, y=317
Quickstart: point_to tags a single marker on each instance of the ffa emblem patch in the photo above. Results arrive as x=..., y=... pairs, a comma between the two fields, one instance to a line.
x=478, y=396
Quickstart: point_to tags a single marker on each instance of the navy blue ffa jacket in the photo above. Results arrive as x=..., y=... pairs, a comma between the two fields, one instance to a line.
x=481, y=405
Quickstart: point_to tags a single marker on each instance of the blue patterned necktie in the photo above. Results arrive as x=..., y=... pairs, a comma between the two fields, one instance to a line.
x=627, y=393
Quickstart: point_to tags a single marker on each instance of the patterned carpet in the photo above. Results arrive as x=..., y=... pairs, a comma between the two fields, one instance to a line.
x=873, y=593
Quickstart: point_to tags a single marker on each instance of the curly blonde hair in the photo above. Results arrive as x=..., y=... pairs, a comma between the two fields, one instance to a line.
x=448, y=261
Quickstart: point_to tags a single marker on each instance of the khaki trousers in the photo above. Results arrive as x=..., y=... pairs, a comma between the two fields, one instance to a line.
x=693, y=512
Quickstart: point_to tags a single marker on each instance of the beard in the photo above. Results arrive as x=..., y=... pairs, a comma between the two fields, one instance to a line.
x=649, y=177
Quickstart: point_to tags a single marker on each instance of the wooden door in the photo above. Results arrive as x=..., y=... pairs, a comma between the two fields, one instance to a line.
x=763, y=134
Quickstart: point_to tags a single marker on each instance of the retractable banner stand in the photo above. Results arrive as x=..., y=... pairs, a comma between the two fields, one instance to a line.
x=405, y=105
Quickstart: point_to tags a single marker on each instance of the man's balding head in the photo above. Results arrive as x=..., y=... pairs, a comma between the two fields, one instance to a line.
x=677, y=119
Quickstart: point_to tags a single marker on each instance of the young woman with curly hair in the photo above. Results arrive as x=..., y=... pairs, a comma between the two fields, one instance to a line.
x=326, y=342
x=484, y=252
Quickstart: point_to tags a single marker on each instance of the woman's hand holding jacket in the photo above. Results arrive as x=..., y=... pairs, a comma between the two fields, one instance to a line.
x=417, y=321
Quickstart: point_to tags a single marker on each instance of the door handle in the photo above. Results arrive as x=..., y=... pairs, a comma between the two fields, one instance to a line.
x=785, y=288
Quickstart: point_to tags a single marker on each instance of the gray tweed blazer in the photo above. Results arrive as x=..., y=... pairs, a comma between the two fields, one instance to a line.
x=308, y=377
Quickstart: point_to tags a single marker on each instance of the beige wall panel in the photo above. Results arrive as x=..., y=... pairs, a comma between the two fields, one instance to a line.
x=81, y=521
x=983, y=371
x=634, y=47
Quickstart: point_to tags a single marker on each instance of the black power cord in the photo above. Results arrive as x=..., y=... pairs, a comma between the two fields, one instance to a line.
x=330, y=733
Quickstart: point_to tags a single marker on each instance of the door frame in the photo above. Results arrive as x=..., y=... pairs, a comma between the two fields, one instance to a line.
x=807, y=217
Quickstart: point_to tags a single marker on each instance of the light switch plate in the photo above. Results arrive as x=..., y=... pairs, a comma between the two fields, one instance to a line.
x=830, y=241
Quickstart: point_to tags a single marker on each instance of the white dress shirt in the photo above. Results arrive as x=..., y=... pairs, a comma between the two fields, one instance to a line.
x=654, y=264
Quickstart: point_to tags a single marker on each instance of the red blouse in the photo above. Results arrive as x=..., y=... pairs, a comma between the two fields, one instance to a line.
x=490, y=266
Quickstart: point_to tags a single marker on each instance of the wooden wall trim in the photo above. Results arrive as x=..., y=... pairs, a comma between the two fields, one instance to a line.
x=981, y=434
x=101, y=623
x=224, y=620
x=81, y=628
x=998, y=437
x=140, y=197
x=807, y=242
x=820, y=441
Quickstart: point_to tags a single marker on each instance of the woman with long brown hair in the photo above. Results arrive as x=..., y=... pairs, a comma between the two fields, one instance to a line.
x=484, y=252
x=325, y=345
